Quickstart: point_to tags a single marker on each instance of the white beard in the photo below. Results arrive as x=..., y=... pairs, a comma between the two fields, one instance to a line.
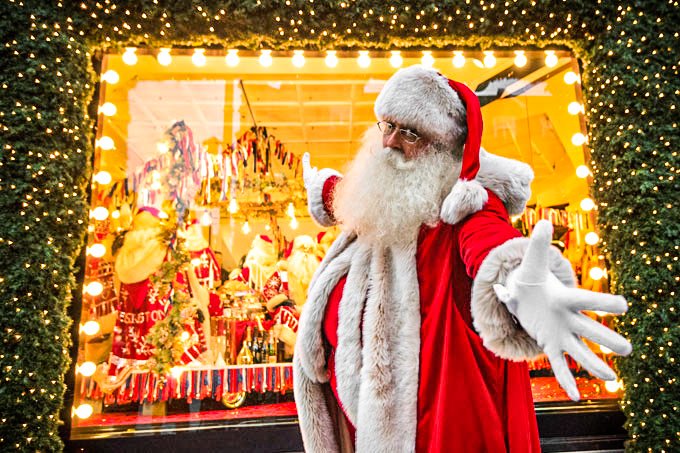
x=385, y=198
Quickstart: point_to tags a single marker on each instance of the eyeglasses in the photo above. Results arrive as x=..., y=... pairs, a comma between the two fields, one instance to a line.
x=408, y=135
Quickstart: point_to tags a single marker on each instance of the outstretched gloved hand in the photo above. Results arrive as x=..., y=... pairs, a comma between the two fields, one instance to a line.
x=308, y=172
x=550, y=312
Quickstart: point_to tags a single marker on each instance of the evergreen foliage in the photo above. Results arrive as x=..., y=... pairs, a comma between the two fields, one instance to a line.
x=628, y=52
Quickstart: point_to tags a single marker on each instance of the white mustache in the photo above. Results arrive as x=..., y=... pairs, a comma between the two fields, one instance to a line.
x=395, y=158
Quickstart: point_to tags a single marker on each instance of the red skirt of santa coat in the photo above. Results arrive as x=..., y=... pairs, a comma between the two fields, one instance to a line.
x=469, y=399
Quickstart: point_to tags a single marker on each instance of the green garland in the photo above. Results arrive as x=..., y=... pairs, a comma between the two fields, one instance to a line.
x=629, y=55
x=165, y=335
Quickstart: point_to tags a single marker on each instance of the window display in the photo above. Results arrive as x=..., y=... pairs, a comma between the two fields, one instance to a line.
x=200, y=247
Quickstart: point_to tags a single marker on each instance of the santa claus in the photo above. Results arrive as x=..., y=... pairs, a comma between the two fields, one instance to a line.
x=421, y=316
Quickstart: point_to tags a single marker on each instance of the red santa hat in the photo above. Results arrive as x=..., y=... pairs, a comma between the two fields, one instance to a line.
x=445, y=112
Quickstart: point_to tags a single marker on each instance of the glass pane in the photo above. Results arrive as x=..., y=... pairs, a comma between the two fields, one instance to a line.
x=201, y=250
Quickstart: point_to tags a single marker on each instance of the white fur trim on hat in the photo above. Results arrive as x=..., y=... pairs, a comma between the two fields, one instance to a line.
x=315, y=197
x=466, y=197
x=499, y=330
x=420, y=98
x=508, y=178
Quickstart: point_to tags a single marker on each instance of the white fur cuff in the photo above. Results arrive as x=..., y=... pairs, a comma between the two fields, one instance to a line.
x=499, y=330
x=315, y=200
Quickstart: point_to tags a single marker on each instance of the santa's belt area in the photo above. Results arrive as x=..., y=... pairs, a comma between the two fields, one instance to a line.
x=195, y=383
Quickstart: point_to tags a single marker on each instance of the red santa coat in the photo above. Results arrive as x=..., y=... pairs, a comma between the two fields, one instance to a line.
x=472, y=391
x=469, y=399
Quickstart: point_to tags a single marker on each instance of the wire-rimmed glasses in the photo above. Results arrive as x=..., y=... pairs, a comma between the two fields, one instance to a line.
x=408, y=135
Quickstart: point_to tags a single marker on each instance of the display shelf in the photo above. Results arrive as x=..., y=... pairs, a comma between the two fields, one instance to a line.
x=193, y=383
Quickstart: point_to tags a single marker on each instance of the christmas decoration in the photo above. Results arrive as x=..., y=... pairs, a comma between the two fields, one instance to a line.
x=629, y=59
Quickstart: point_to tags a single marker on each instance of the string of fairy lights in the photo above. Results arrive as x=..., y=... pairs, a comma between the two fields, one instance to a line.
x=363, y=60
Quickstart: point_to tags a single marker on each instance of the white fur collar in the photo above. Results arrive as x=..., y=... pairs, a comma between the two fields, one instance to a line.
x=378, y=348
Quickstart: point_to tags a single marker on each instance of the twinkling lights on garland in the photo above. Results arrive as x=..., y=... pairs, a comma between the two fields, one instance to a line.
x=630, y=77
x=164, y=57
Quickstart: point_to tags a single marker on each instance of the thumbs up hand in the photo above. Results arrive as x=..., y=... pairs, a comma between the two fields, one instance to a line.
x=550, y=312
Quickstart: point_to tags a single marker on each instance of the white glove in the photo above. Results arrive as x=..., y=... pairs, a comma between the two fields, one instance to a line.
x=308, y=172
x=550, y=313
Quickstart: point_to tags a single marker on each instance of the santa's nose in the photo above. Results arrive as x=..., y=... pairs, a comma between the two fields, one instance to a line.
x=392, y=140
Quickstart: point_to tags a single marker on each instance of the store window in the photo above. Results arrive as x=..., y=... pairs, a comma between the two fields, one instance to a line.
x=200, y=248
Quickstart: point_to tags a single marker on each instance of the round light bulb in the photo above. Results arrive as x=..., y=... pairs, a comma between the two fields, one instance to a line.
x=592, y=238
x=97, y=250
x=100, y=213
x=87, y=368
x=612, y=386
x=176, y=372
x=164, y=58
x=428, y=59
x=232, y=58
x=570, y=78
x=94, y=288
x=111, y=77
x=108, y=109
x=130, y=56
x=162, y=147
x=198, y=58
x=578, y=139
x=195, y=262
x=396, y=60
x=574, y=108
x=102, y=177
x=587, y=204
x=489, y=59
x=233, y=206
x=266, y=59
x=550, y=58
x=582, y=171
x=364, y=60
x=206, y=219
x=331, y=58
x=596, y=273
x=115, y=214
x=91, y=328
x=458, y=59
x=84, y=411
x=298, y=58
x=106, y=143
x=520, y=58
x=245, y=229
x=185, y=335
